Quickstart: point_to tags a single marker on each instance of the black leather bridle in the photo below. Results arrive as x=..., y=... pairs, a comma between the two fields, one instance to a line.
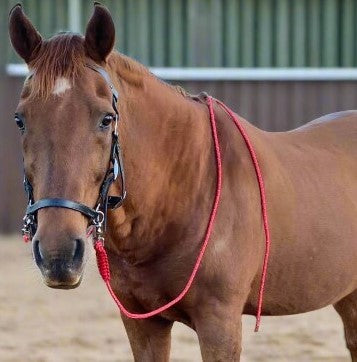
x=98, y=215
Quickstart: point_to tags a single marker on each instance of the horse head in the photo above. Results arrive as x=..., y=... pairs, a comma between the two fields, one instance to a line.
x=66, y=117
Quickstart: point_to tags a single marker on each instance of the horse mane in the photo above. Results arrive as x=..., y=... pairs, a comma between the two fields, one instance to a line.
x=134, y=72
x=64, y=55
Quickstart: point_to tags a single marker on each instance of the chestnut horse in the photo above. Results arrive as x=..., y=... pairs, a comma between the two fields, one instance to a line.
x=65, y=115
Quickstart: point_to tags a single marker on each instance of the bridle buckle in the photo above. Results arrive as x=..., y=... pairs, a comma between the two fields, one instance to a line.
x=26, y=231
x=116, y=124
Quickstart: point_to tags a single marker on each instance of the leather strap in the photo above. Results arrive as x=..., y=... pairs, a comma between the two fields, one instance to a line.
x=112, y=202
x=105, y=75
x=28, y=189
x=64, y=203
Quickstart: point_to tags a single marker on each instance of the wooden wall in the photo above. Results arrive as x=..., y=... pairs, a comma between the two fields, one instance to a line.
x=12, y=200
x=281, y=105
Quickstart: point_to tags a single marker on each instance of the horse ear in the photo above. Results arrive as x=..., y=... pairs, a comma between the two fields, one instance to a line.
x=23, y=35
x=100, y=34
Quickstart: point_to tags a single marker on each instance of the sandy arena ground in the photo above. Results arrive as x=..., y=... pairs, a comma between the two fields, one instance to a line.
x=40, y=324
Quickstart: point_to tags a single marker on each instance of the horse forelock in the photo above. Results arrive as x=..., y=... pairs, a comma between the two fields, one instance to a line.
x=61, y=56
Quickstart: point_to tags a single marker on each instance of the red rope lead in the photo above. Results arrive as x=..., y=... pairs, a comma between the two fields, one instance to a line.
x=102, y=259
x=264, y=209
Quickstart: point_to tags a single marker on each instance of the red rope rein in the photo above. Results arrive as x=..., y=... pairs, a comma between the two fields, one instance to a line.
x=263, y=202
x=102, y=258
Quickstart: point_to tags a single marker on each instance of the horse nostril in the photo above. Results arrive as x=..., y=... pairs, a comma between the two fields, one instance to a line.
x=78, y=251
x=37, y=252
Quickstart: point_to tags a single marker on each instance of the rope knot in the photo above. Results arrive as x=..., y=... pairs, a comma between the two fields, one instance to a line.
x=102, y=260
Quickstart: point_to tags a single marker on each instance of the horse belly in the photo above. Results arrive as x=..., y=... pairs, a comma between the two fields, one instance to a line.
x=310, y=287
x=313, y=259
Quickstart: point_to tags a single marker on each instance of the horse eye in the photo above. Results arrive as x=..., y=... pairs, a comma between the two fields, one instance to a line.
x=106, y=121
x=19, y=122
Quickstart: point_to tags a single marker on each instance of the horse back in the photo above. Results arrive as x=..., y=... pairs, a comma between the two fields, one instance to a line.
x=333, y=132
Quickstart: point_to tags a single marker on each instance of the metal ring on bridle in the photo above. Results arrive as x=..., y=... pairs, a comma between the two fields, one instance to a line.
x=99, y=219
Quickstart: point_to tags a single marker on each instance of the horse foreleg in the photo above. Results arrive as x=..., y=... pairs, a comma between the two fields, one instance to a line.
x=150, y=339
x=347, y=309
x=219, y=330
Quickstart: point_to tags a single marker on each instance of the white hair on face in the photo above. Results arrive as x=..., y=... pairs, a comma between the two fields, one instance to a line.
x=61, y=86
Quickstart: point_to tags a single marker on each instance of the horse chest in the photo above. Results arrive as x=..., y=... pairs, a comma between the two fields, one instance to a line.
x=143, y=289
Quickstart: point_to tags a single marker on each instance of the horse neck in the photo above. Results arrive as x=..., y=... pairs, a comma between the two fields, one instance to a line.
x=169, y=164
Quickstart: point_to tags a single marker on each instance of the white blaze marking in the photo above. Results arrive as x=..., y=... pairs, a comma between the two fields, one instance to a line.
x=61, y=85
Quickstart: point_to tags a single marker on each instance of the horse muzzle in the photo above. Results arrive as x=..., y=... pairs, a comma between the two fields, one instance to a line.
x=61, y=268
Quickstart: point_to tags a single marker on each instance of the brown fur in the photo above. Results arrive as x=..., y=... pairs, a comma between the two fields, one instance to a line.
x=153, y=240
